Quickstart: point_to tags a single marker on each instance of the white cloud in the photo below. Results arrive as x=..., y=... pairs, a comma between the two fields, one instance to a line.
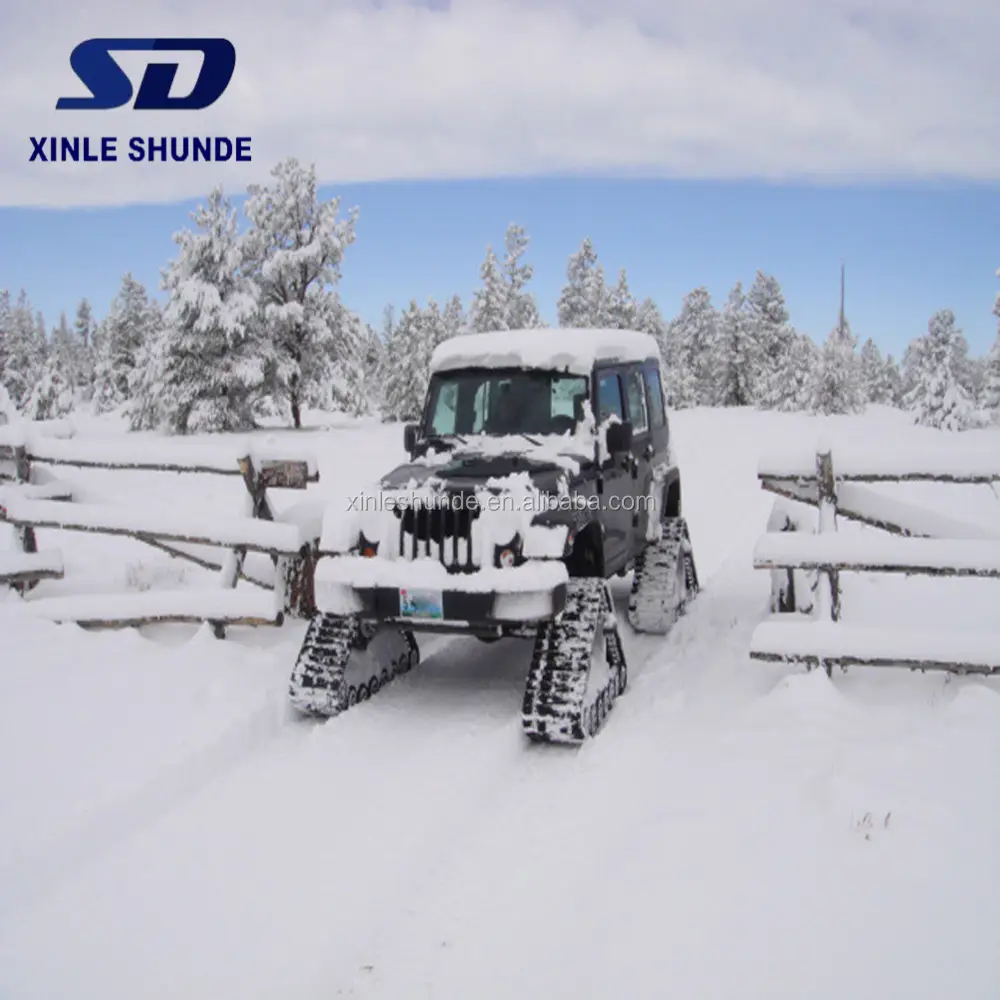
x=781, y=89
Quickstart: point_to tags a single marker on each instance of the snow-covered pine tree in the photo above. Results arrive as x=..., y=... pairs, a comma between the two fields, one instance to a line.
x=583, y=300
x=937, y=398
x=691, y=341
x=8, y=411
x=25, y=352
x=489, y=303
x=874, y=375
x=649, y=319
x=622, y=309
x=51, y=395
x=991, y=380
x=145, y=407
x=83, y=328
x=131, y=320
x=212, y=357
x=454, y=317
x=734, y=355
x=41, y=334
x=386, y=363
x=6, y=323
x=406, y=382
x=63, y=344
x=837, y=383
x=521, y=307
x=293, y=251
x=773, y=337
x=799, y=371
x=348, y=390
x=894, y=381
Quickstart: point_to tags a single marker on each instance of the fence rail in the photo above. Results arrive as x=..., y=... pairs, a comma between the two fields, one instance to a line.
x=917, y=542
x=33, y=496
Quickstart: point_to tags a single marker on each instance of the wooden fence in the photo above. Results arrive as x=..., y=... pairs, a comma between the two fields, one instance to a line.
x=806, y=624
x=33, y=496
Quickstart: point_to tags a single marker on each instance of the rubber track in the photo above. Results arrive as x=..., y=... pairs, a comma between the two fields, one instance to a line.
x=654, y=604
x=555, y=707
x=318, y=686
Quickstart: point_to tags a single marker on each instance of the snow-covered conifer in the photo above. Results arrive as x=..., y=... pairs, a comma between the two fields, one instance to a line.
x=991, y=379
x=893, y=380
x=772, y=337
x=649, y=319
x=348, y=389
x=799, y=373
x=407, y=377
x=938, y=398
x=691, y=340
x=83, y=327
x=583, y=300
x=734, y=356
x=51, y=396
x=131, y=320
x=522, y=309
x=454, y=317
x=837, y=384
x=874, y=374
x=212, y=356
x=293, y=251
x=489, y=304
x=146, y=403
x=8, y=411
x=25, y=351
x=6, y=323
x=622, y=309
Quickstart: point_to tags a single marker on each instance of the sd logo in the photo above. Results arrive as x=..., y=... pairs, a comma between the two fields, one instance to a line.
x=111, y=88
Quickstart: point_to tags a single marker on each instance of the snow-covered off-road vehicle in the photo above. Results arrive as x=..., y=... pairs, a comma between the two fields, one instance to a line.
x=540, y=468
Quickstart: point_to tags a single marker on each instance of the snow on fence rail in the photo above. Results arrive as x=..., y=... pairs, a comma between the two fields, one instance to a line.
x=32, y=497
x=942, y=546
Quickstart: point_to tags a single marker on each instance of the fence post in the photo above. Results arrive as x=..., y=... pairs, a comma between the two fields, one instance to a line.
x=293, y=575
x=828, y=595
x=25, y=533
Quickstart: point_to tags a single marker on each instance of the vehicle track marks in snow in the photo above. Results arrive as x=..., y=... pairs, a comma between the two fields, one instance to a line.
x=26, y=880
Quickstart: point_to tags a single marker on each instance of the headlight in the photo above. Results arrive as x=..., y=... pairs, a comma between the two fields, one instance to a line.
x=506, y=556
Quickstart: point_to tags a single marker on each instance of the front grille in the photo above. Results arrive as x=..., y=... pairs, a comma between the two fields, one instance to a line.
x=439, y=530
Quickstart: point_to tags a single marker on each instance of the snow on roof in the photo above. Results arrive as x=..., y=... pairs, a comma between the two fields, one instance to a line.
x=570, y=350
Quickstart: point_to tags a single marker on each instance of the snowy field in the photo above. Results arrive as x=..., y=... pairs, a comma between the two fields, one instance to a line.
x=738, y=830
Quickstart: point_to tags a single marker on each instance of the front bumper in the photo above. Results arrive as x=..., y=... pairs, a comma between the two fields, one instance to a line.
x=421, y=594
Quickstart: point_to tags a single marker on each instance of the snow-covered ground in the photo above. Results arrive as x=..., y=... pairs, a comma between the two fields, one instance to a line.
x=738, y=829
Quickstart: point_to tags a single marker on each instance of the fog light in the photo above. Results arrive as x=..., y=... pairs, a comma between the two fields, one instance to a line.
x=507, y=558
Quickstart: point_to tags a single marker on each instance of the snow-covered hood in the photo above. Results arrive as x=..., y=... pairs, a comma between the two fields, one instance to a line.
x=527, y=484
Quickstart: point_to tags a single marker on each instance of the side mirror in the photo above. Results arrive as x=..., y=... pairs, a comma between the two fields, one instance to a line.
x=410, y=437
x=619, y=438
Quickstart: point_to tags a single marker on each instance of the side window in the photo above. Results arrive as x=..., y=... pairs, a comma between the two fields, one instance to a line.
x=637, y=402
x=443, y=419
x=655, y=392
x=480, y=408
x=609, y=396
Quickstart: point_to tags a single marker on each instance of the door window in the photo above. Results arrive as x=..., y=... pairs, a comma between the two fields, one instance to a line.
x=655, y=392
x=609, y=396
x=637, y=402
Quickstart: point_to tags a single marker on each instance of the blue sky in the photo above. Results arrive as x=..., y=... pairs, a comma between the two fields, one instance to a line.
x=910, y=249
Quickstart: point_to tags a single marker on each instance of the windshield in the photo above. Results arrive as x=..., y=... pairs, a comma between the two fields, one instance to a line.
x=505, y=402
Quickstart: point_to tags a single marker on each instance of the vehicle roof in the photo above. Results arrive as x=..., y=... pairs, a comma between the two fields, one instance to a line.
x=560, y=349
